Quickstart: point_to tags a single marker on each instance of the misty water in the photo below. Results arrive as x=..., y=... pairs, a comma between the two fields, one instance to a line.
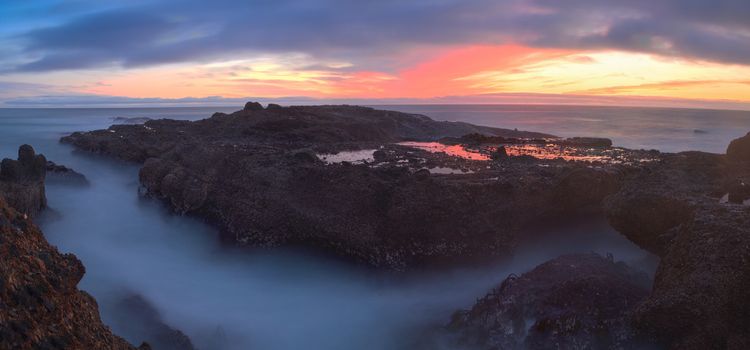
x=276, y=299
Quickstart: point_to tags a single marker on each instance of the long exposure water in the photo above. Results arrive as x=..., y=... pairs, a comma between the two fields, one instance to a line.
x=280, y=299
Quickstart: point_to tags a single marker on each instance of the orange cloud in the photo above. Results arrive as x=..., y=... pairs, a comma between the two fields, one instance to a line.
x=452, y=71
x=442, y=75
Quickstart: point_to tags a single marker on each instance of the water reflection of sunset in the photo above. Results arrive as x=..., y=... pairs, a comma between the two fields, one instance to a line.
x=549, y=151
x=451, y=150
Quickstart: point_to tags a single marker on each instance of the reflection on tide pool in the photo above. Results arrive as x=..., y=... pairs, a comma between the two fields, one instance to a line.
x=548, y=151
x=451, y=150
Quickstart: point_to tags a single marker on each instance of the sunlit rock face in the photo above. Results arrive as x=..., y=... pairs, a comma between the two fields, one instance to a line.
x=574, y=301
x=40, y=306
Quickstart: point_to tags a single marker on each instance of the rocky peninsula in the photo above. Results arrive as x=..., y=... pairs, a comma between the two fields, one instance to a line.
x=357, y=182
x=401, y=191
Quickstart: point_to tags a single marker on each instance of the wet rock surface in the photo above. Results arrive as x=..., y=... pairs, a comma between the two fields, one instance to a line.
x=572, y=302
x=680, y=209
x=260, y=176
x=22, y=181
x=40, y=306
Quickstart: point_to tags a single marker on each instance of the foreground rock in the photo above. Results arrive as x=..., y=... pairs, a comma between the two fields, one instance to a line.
x=62, y=175
x=680, y=209
x=136, y=318
x=572, y=302
x=40, y=306
x=282, y=176
x=22, y=181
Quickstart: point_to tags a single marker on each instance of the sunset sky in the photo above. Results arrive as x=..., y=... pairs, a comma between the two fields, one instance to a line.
x=687, y=53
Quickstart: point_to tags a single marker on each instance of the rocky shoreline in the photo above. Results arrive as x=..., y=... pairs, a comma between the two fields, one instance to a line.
x=400, y=191
x=270, y=177
x=40, y=305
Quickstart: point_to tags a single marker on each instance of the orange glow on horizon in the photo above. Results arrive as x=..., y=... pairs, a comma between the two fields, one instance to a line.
x=455, y=71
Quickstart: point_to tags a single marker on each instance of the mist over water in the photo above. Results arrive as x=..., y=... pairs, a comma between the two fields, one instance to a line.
x=225, y=298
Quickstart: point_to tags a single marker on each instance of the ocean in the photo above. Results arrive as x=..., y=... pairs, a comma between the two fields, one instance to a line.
x=225, y=299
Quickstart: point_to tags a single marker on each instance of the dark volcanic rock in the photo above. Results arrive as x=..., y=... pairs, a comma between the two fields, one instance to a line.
x=22, y=181
x=674, y=209
x=135, y=317
x=130, y=120
x=40, y=306
x=739, y=149
x=500, y=154
x=253, y=106
x=63, y=175
x=572, y=302
x=253, y=174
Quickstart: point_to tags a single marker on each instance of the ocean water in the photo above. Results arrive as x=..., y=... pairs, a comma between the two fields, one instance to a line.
x=225, y=299
x=664, y=129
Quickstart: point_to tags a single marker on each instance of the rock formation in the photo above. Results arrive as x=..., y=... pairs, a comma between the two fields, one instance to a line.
x=22, y=181
x=572, y=302
x=63, y=175
x=40, y=306
x=255, y=173
x=679, y=209
x=739, y=149
x=135, y=317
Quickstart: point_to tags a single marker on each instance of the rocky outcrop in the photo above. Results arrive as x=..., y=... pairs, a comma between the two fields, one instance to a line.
x=60, y=174
x=22, y=181
x=739, y=149
x=256, y=175
x=40, y=306
x=572, y=302
x=136, y=318
x=679, y=209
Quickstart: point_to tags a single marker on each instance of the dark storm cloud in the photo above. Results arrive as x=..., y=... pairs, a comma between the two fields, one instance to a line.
x=367, y=32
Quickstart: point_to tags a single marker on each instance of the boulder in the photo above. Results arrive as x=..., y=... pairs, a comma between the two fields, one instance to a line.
x=739, y=149
x=253, y=106
x=500, y=154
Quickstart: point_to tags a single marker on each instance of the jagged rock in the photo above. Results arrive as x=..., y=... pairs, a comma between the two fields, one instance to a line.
x=40, y=306
x=673, y=208
x=22, y=181
x=135, y=317
x=273, y=106
x=500, y=154
x=253, y=106
x=739, y=149
x=61, y=174
x=572, y=302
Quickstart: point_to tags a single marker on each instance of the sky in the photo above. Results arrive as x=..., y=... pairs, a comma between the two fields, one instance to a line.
x=678, y=53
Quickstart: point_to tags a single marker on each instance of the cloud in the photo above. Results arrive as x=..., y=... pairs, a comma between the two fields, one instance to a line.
x=372, y=34
x=498, y=98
